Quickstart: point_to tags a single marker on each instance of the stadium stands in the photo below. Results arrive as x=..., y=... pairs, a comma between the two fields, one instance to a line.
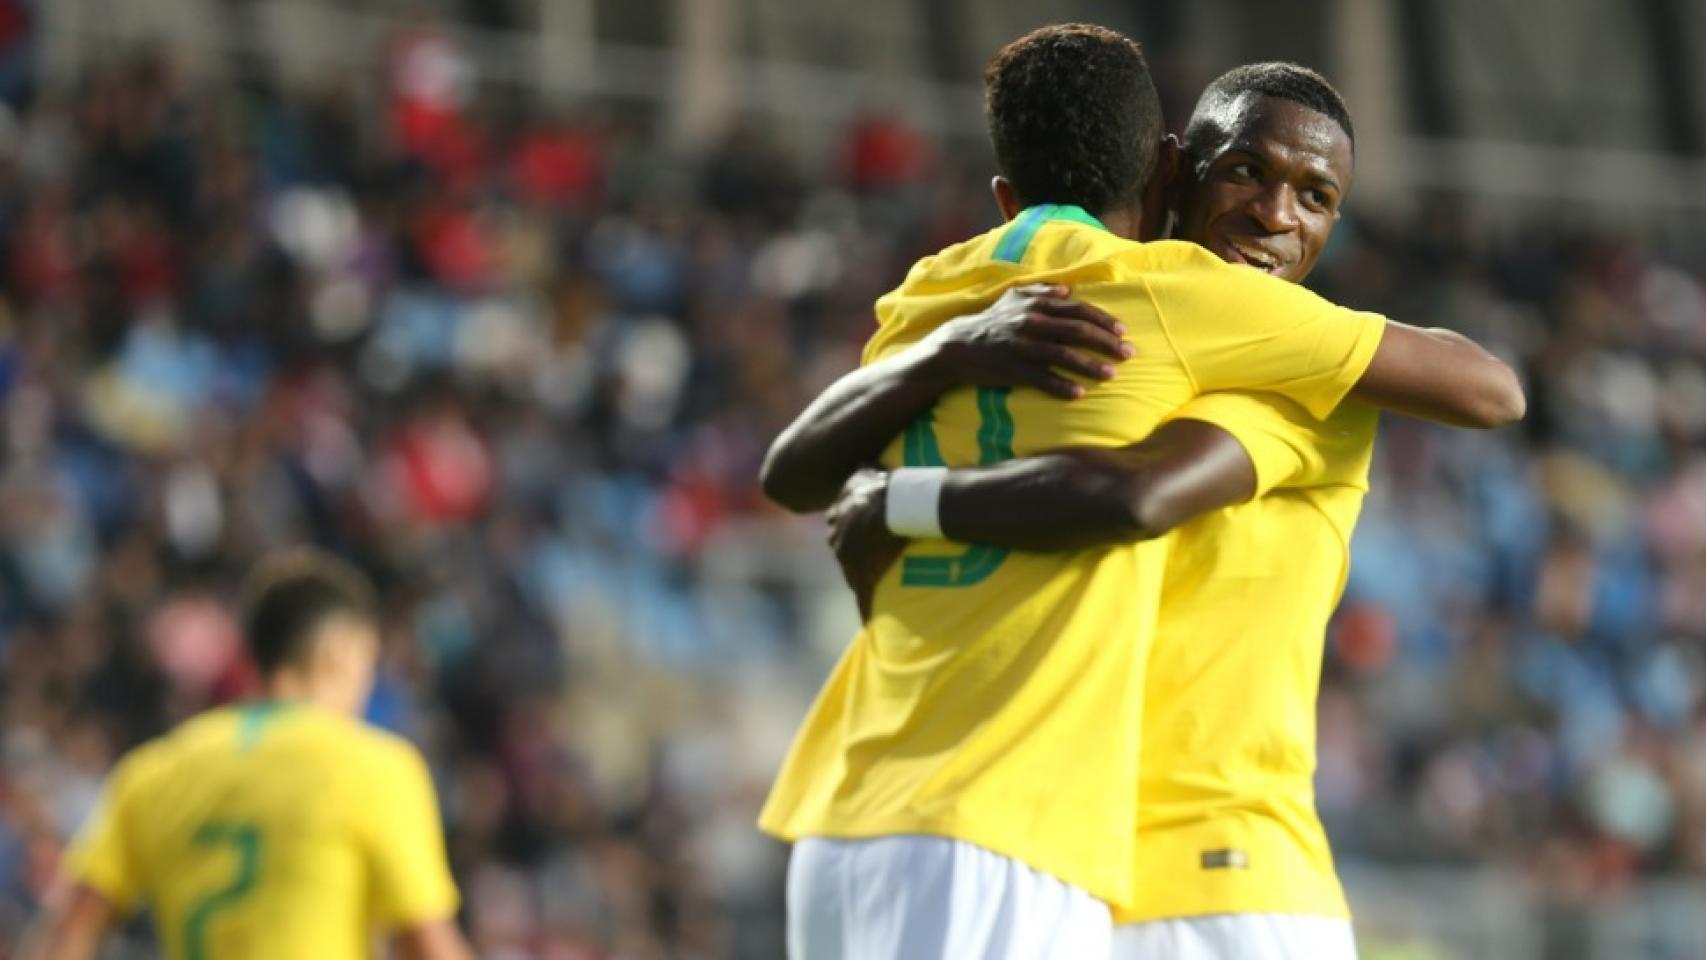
x=522, y=368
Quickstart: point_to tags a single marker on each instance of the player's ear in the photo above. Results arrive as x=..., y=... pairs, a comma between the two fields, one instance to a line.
x=1170, y=162
x=1158, y=192
x=1172, y=157
x=1006, y=198
x=1169, y=159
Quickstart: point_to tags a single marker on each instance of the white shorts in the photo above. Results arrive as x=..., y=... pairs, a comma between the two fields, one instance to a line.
x=1237, y=936
x=931, y=898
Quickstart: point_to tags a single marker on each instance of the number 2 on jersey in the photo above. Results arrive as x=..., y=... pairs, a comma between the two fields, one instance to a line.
x=994, y=444
x=245, y=840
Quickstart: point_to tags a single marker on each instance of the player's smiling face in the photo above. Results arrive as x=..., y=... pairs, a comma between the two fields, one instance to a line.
x=1268, y=193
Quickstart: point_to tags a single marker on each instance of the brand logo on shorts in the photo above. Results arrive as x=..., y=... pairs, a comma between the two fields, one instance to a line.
x=1225, y=860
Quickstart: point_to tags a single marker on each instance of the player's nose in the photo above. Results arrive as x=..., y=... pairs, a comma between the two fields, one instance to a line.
x=1275, y=208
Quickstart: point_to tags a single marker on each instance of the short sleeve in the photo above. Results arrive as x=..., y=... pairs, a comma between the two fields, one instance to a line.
x=102, y=857
x=1236, y=328
x=410, y=874
x=1281, y=438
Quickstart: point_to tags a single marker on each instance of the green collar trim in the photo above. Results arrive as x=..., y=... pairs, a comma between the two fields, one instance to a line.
x=1024, y=227
x=254, y=718
x=1078, y=214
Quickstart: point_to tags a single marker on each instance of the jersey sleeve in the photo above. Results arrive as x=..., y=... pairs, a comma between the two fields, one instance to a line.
x=410, y=874
x=1281, y=438
x=1236, y=328
x=103, y=856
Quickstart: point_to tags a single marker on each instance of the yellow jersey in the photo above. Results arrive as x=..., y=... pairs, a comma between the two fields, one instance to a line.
x=1228, y=821
x=270, y=830
x=995, y=696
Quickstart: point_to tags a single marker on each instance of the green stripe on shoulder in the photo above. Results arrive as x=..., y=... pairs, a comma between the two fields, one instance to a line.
x=1078, y=214
x=254, y=720
x=1017, y=239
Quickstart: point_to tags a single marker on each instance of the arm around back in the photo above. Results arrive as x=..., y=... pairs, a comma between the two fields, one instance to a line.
x=1069, y=499
x=1442, y=376
x=1237, y=329
x=1030, y=337
x=1081, y=497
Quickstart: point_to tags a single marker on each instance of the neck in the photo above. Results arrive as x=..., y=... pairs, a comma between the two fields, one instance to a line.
x=297, y=687
x=1122, y=222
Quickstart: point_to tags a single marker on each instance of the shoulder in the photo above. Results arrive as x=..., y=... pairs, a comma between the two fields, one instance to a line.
x=1178, y=270
x=150, y=768
x=373, y=767
x=1187, y=278
x=948, y=273
x=951, y=262
x=178, y=745
x=138, y=768
x=382, y=757
x=364, y=740
x=1169, y=256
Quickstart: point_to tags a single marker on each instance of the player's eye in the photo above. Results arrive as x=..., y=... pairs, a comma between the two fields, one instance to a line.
x=1317, y=199
x=1245, y=171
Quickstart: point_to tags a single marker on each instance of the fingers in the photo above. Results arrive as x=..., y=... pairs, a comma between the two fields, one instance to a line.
x=879, y=554
x=1065, y=359
x=836, y=518
x=1059, y=306
x=1076, y=333
x=1048, y=382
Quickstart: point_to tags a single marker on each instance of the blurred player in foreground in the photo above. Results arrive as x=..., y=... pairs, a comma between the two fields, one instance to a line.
x=280, y=828
x=966, y=784
x=1232, y=861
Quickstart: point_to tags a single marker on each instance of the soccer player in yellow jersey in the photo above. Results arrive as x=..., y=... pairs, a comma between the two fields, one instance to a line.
x=1232, y=861
x=282, y=828
x=968, y=778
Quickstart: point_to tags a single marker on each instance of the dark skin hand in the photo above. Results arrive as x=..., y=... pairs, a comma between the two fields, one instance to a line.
x=1031, y=337
x=859, y=534
x=1097, y=496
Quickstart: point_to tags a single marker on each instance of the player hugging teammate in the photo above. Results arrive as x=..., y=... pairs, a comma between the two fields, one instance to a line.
x=1097, y=565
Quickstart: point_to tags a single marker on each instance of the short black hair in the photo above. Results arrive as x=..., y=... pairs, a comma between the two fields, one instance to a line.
x=1287, y=81
x=290, y=595
x=1074, y=116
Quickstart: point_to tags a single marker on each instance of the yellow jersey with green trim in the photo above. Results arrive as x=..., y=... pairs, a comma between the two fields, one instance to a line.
x=270, y=831
x=995, y=696
x=1228, y=821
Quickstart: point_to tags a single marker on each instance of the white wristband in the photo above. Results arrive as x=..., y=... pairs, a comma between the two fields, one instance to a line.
x=914, y=496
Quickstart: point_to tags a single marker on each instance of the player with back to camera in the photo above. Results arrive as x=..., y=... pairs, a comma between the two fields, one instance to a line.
x=965, y=784
x=1233, y=863
x=279, y=828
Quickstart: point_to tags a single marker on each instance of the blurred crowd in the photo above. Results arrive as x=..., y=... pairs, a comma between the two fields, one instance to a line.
x=1515, y=675
x=521, y=365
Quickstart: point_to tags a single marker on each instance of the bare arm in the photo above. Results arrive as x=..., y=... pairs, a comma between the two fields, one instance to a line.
x=1442, y=376
x=1079, y=497
x=433, y=940
x=1068, y=499
x=1021, y=340
x=1433, y=374
x=848, y=425
x=76, y=919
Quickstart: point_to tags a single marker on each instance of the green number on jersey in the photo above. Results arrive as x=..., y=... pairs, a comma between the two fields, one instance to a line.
x=245, y=839
x=994, y=444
